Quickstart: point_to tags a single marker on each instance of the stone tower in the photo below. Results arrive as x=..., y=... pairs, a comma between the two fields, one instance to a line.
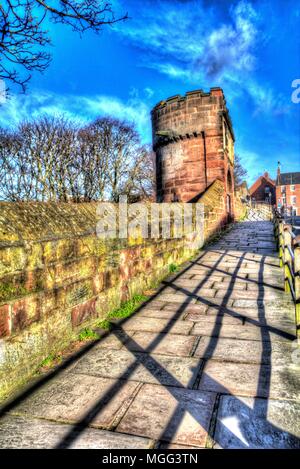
x=194, y=144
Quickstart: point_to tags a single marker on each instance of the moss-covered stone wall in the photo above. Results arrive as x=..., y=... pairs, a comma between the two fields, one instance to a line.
x=57, y=276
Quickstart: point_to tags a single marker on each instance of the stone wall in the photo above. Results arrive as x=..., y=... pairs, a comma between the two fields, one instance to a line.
x=57, y=276
x=240, y=208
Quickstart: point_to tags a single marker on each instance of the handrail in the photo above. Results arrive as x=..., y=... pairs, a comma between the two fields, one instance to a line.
x=289, y=254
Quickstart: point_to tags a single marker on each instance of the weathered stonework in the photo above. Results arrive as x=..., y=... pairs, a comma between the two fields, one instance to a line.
x=194, y=145
x=57, y=276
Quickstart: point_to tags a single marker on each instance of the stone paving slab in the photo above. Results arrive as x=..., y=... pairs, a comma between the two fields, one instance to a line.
x=149, y=324
x=167, y=344
x=161, y=313
x=172, y=414
x=244, y=351
x=260, y=423
x=176, y=298
x=280, y=306
x=70, y=397
x=275, y=325
x=257, y=314
x=251, y=380
x=19, y=432
x=155, y=368
x=190, y=284
x=110, y=342
x=241, y=331
x=175, y=446
x=202, y=300
x=199, y=308
x=211, y=319
x=249, y=283
x=224, y=285
x=249, y=294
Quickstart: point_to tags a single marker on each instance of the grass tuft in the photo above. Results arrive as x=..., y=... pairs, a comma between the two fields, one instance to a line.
x=104, y=324
x=88, y=334
x=128, y=308
x=173, y=268
x=50, y=361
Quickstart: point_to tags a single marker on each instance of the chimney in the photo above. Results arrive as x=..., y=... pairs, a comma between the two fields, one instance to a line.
x=278, y=173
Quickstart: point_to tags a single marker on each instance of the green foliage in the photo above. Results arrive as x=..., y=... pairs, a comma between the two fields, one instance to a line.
x=88, y=334
x=104, y=324
x=128, y=307
x=173, y=268
x=49, y=361
x=9, y=291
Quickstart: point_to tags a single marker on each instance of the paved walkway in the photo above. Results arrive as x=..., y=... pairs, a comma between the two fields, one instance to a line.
x=208, y=362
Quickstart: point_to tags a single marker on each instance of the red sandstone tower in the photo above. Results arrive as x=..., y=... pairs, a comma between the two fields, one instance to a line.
x=194, y=144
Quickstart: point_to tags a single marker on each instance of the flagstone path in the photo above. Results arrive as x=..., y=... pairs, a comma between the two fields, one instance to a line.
x=209, y=362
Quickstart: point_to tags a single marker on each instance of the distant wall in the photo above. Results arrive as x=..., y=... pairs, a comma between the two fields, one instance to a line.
x=240, y=208
x=57, y=276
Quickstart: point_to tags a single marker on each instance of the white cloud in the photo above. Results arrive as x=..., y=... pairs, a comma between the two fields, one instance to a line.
x=184, y=34
x=231, y=46
x=187, y=41
x=266, y=100
x=81, y=108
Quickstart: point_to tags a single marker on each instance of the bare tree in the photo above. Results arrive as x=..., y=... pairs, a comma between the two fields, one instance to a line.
x=140, y=182
x=24, y=37
x=93, y=158
x=55, y=159
x=240, y=173
x=36, y=160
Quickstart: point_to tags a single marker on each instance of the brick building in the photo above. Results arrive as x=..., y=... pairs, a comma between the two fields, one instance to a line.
x=264, y=189
x=194, y=144
x=288, y=191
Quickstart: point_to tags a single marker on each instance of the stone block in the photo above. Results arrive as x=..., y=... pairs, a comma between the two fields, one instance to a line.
x=5, y=323
x=247, y=423
x=20, y=433
x=136, y=366
x=180, y=416
x=149, y=324
x=73, y=397
x=167, y=344
x=81, y=313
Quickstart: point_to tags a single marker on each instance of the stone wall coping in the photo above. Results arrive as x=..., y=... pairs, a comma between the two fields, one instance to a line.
x=189, y=94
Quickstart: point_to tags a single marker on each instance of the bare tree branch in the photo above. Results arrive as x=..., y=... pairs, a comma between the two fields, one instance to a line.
x=23, y=38
x=54, y=159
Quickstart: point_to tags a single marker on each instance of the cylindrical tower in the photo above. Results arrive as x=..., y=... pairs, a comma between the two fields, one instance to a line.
x=194, y=145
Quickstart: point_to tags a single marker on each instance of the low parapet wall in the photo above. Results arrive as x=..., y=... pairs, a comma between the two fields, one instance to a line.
x=57, y=276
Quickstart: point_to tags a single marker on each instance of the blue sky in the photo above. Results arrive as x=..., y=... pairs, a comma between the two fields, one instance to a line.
x=249, y=48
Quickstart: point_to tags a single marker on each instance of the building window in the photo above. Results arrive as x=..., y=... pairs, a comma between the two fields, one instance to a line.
x=282, y=189
x=293, y=200
x=293, y=188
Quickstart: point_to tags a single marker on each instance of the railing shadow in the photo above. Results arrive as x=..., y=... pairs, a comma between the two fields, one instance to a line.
x=260, y=405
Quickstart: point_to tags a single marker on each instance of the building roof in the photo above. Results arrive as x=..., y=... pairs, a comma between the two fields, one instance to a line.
x=285, y=179
x=257, y=183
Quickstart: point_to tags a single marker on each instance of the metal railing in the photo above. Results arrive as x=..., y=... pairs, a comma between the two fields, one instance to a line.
x=288, y=244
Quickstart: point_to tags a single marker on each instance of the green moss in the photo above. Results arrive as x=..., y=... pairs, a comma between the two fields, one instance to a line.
x=128, y=307
x=50, y=361
x=88, y=334
x=9, y=291
x=104, y=324
x=173, y=268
